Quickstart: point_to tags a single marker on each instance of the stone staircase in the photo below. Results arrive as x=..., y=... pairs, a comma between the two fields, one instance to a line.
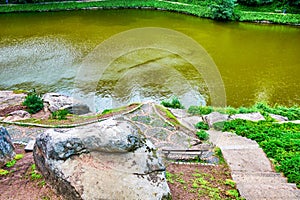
x=252, y=170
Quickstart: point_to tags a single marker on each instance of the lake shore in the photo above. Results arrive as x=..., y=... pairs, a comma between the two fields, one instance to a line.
x=196, y=10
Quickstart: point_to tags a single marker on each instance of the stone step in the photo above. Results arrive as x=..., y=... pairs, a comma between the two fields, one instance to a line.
x=230, y=140
x=261, y=178
x=29, y=146
x=249, y=160
x=267, y=191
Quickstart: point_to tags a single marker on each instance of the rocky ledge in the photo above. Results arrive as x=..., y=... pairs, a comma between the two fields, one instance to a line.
x=107, y=160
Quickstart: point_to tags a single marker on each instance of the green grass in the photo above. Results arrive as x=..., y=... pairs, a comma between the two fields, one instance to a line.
x=280, y=142
x=19, y=156
x=292, y=113
x=34, y=174
x=3, y=172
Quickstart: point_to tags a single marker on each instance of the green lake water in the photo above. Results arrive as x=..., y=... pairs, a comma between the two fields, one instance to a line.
x=46, y=51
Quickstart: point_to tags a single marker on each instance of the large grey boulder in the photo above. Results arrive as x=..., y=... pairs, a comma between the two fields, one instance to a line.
x=6, y=147
x=107, y=160
x=55, y=101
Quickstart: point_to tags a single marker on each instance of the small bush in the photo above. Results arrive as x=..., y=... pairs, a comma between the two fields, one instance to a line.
x=11, y=163
x=173, y=103
x=33, y=102
x=202, y=125
x=200, y=110
x=3, y=172
x=19, y=156
x=60, y=114
x=202, y=135
x=222, y=9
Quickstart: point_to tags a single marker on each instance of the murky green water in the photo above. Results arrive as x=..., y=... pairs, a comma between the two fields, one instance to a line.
x=45, y=51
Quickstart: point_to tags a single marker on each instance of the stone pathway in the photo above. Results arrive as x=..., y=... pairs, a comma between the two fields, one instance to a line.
x=252, y=170
x=164, y=135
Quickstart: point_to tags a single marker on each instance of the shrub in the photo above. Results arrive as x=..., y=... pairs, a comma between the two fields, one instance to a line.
x=202, y=135
x=11, y=163
x=172, y=103
x=290, y=167
x=60, y=114
x=222, y=9
x=200, y=110
x=254, y=2
x=202, y=125
x=33, y=102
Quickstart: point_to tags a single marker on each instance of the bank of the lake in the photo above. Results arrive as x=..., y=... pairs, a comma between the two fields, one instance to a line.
x=200, y=10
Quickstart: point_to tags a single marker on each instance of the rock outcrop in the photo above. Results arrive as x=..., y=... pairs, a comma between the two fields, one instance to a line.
x=214, y=117
x=6, y=147
x=17, y=115
x=108, y=160
x=279, y=118
x=9, y=98
x=55, y=101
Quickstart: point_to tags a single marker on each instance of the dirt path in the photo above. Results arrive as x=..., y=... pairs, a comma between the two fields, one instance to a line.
x=20, y=184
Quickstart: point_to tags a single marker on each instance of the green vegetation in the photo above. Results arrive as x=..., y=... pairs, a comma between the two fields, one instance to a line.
x=202, y=126
x=219, y=154
x=11, y=163
x=232, y=193
x=60, y=114
x=200, y=110
x=292, y=113
x=171, y=119
x=230, y=182
x=202, y=135
x=33, y=102
x=280, y=142
x=204, y=185
x=172, y=103
x=222, y=9
x=3, y=172
x=19, y=156
x=253, y=10
x=34, y=174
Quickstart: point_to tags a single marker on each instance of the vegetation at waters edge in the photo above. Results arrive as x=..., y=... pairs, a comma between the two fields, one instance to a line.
x=172, y=103
x=258, y=10
x=280, y=142
x=33, y=102
x=60, y=114
x=292, y=113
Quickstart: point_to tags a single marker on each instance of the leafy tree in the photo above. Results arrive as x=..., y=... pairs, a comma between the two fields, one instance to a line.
x=222, y=9
x=254, y=2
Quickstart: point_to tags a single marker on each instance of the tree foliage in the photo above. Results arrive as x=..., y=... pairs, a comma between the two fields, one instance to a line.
x=222, y=9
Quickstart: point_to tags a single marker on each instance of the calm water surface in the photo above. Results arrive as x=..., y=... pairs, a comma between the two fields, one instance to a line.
x=45, y=51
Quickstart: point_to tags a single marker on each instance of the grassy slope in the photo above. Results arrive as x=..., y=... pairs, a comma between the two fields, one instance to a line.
x=198, y=10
